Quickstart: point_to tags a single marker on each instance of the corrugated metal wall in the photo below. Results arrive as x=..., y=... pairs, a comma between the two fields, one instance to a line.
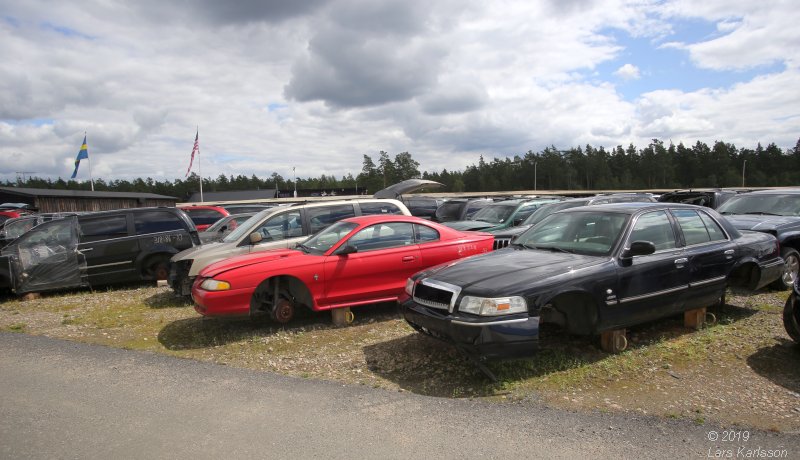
x=71, y=204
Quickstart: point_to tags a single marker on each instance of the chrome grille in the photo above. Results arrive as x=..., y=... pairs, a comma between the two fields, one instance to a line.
x=436, y=294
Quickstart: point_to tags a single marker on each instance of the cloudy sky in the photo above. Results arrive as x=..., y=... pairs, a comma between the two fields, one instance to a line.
x=316, y=84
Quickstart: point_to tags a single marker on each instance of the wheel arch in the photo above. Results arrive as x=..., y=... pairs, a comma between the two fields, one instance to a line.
x=575, y=310
x=289, y=286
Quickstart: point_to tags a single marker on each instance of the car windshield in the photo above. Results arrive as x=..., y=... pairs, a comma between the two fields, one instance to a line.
x=247, y=227
x=494, y=214
x=231, y=222
x=326, y=239
x=767, y=204
x=548, y=209
x=589, y=232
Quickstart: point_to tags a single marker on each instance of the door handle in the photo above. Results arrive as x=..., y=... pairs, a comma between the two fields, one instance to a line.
x=681, y=261
x=729, y=252
x=408, y=258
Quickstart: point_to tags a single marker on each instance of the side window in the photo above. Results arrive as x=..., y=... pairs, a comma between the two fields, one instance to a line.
x=693, y=228
x=524, y=213
x=383, y=236
x=321, y=216
x=424, y=234
x=474, y=207
x=103, y=228
x=369, y=209
x=654, y=227
x=281, y=227
x=155, y=222
x=714, y=230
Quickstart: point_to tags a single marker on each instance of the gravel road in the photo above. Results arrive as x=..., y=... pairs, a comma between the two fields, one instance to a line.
x=69, y=400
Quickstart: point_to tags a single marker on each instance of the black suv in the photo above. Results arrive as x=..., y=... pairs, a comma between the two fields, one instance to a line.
x=96, y=248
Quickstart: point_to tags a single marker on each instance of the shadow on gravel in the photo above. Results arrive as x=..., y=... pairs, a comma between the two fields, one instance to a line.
x=167, y=299
x=201, y=332
x=431, y=367
x=778, y=363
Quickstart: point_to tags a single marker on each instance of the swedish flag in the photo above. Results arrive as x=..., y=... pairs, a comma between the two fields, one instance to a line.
x=82, y=155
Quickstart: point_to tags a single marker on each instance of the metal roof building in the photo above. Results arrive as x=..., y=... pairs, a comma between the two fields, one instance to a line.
x=51, y=200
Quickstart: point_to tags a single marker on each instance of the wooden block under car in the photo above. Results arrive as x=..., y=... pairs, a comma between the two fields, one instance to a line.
x=695, y=319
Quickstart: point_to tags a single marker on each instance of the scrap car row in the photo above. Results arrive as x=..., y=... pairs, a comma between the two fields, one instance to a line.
x=480, y=273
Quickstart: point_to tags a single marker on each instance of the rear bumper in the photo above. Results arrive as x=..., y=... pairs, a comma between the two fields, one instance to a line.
x=771, y=271
x=494, y=337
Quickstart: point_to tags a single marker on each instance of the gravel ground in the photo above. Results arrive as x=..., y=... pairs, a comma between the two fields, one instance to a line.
x=742, y=371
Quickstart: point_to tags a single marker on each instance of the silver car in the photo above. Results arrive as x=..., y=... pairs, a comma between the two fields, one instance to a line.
x=274, y=228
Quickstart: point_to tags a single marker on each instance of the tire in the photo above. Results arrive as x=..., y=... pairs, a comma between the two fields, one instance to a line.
x=157, y=268
x=791, y=260
x=790, y=318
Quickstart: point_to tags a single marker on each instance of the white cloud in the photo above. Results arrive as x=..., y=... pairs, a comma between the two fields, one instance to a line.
x=628, y=72
x=446, y=81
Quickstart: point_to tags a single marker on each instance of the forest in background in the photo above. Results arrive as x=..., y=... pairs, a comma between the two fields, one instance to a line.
x=657, y=166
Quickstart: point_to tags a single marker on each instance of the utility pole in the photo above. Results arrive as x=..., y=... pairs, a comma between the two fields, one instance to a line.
x=743, y=167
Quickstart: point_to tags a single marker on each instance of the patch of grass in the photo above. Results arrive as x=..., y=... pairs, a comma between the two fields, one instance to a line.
x=17, y=327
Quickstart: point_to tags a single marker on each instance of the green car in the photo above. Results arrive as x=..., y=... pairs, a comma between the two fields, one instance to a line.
x=501, y=215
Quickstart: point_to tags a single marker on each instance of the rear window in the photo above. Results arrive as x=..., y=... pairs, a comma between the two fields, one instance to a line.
x=450, y=211
x=103, y=228
x=321, y=217
x=155, y=222
x=369, y=209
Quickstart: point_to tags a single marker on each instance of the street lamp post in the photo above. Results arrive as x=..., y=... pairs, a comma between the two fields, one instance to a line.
x=294, y=179
x=743, y=168
x=535, y=163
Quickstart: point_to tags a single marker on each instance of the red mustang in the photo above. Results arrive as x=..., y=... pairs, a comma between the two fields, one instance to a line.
x=356, y=261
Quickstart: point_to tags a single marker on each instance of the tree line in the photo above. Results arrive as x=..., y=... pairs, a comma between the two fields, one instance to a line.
x=657, y=166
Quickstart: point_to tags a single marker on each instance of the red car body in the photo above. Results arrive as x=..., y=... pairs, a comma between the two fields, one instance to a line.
x=369, y=262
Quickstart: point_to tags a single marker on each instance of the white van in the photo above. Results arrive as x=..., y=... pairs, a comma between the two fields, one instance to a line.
x=274, y=228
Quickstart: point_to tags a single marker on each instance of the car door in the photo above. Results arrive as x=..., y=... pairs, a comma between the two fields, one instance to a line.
x=110, y=247
x=386, y=255
x=653, y=285
x=47, y=258
x=711, y=256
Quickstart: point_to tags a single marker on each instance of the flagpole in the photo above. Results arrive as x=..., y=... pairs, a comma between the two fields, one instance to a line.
x=198, y=166
x=91, y=178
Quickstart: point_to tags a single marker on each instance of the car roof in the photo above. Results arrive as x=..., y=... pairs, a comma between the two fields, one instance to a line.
x=788, y=191
x=377, y=218
x=633, y=207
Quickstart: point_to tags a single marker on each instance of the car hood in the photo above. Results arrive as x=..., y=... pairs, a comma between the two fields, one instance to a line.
x=511, y=232
x=248, y=260
x=762, y=223
x=500, y=270
x=471, y=225
x=205, y=248
x=407, y=186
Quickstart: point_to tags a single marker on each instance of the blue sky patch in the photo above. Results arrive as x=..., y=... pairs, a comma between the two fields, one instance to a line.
x=669, y=68
x=65, y=31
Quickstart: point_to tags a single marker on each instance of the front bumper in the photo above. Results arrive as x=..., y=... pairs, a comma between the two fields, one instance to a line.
x=233, y=302
x=179, y=279
x=490, y=337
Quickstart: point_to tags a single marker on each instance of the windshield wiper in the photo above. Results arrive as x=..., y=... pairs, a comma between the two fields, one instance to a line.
x=762, y=213
x=549, y=248
x=303, y=248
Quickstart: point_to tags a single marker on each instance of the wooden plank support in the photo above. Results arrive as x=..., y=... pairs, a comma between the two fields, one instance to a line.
x=613, y=341
x=342, y=316
x=695, y=319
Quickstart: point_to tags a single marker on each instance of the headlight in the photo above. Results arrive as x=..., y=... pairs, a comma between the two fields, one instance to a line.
x=492, y=307
x=410, y=287
x=215, y=285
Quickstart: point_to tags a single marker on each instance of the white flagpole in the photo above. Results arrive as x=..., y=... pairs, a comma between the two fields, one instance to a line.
x=198, y=165
x=91, y=178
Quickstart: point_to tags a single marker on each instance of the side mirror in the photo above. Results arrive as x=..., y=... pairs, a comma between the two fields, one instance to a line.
x=346, y=249
x=255, y=238
x=639, y=248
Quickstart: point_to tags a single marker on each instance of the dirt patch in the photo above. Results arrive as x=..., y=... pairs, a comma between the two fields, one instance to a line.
x=741, y=371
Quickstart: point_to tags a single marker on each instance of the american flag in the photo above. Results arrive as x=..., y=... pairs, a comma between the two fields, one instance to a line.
x=195, y=149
